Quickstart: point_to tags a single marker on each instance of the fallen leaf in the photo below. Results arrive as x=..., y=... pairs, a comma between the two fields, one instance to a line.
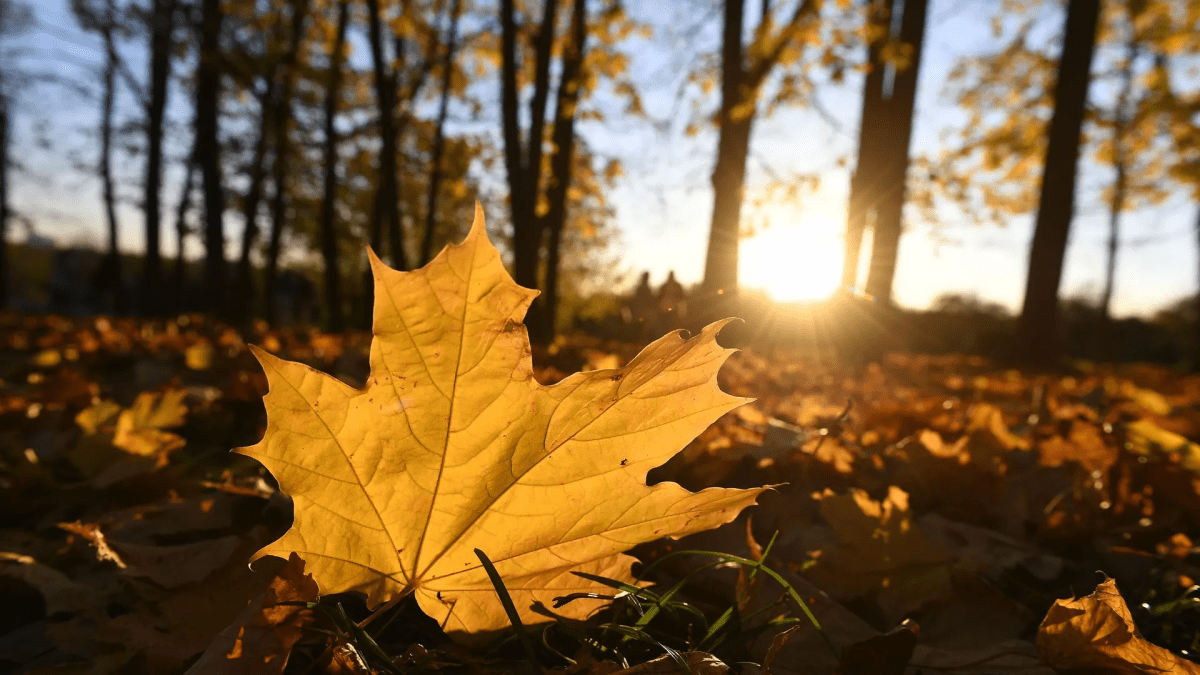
x=698, y=663
x=140, y=429
x=886, y=654
x=1097, y=631
x=453, y=445
x=261, y=638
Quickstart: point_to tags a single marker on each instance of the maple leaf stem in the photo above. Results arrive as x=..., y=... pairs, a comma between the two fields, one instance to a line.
x=384, y=608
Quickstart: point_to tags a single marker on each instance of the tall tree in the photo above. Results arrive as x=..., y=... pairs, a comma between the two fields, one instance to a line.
x=329, y=239
x=436, y=170
x=387, y=202
x=4, y=209
x=103, y=20
x=555, y=219
x=161, y=47
x=1038, y=324
x=111, y=60
x=523, y=159
x=208, y=154
x=743, y=72
x=281, y=124
x=896, y=133
x=863, y=192
x=179, y=276
x=1118, y=193
x=244, y=297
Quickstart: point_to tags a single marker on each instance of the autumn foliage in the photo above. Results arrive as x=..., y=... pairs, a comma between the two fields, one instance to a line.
x=930, y=513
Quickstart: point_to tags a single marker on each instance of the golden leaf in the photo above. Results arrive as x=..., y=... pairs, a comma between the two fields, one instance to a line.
x=453, y=445
x=140, y=428
x=1097, y=632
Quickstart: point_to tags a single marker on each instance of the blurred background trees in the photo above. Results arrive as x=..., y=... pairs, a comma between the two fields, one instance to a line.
x=280, y=138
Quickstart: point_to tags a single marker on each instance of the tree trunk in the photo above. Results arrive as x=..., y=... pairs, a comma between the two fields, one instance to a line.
x=181, y=230
x=1195, y=325
x=208, y=91
x=244, y=297
x=387, y=204
x=896, y=134
x=523, y=164
x=4, y=210
x=162, y=17
x=561, y=164
x=1120, y=186
x=439, y=134
x=329, y=243
x=112, y=267
x=279, y=166
x=864, y=186
x=1038, y=325
x=733, y=147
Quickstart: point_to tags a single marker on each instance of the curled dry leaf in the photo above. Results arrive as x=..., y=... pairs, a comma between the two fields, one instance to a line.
x=453, y=445
x=1098, y=632
x=259, y=640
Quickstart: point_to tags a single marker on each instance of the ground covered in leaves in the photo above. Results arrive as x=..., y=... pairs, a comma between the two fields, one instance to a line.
x=935, y=514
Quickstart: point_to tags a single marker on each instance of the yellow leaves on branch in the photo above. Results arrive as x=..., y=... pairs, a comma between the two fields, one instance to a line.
x=453, y=445
x=1097, y=632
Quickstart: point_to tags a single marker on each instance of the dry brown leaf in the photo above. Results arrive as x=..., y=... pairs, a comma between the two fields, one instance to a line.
x=1097, y=631
x=259, y=640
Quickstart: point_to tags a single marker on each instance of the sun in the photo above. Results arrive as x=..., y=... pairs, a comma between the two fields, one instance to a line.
x=798, y=257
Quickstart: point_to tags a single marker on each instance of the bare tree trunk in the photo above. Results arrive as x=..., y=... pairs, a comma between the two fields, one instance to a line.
x=897, y=134
x=1038, y=325
x=4, y=210
x=162, y=17
x=524, y=163
x=329, y=243
x=244, y=297
x=178, y=283
x=561, y=164
x=1120, y=186
x=1195, y=326
x=439, y=134
x=387, y=204
x=208, y=89
x=864, y=186
x=112, y=267
x=279, y=166
x=733, y=147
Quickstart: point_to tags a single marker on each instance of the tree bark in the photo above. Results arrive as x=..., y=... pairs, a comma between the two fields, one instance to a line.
x=1039, y=340
x=4, y=210
x=112, y=267
x=893, y=169
x=279, y=166
x=387, y=203
x=1120, y=186
x=162, y=16
x=244, y=298
x=733, y=147
x=329, y=243
x=178, y=283
x=208, y=86
x=439, y=134
x=864, y=188
x=561, y=164
x=523, y=163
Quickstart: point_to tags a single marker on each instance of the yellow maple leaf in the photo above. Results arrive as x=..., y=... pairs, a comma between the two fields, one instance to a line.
x=453, y=445
x=140, y=428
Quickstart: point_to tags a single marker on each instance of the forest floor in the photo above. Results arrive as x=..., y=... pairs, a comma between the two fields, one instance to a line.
x=929, y=511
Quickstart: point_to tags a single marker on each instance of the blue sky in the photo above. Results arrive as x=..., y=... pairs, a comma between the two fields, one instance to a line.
x=663, y=202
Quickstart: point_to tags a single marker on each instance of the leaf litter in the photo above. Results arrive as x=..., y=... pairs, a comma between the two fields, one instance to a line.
x=933, y=513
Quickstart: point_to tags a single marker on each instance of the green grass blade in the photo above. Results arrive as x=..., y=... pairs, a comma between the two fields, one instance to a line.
x=509, y=608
